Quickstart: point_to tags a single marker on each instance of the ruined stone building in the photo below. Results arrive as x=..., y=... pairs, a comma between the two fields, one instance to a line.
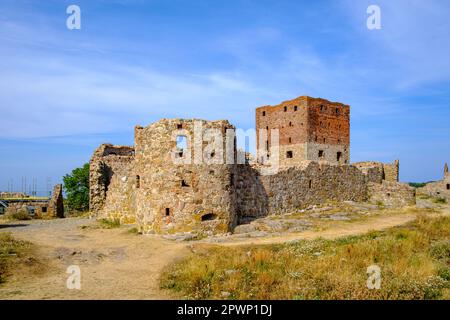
x=438, y=189
x=53, y=207
x=185, y=175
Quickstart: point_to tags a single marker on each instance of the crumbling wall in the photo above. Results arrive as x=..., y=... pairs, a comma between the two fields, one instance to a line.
x=183, y=189
x=297, y=187
x=438, y=189
x=109, y=167
x=378, y=171
x=56, y=204
x=391, y=171
x=251, y=194
x=391, y=194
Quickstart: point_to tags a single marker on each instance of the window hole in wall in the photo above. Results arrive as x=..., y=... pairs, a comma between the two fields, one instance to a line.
x=321, y=154
x=289, y=154
x=264, y=113
x=167, y=212
x=209, y=217
x=285, y=109
x=295, y=108
x=44, y=209
x=138, y=182
x=184, y=183
x=339, y=156
x=310, y=184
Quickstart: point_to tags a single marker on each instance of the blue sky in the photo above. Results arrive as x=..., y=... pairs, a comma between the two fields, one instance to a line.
x=63, y=92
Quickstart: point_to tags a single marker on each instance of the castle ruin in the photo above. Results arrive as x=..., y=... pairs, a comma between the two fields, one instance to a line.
x=186, y=175
x=438, y=189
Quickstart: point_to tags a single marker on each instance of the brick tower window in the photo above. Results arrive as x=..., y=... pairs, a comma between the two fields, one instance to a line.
x=295, y=108
x=138, y=182
x=289, y=154
x=321, y=154
x=264, y=113
x=337, y=111
x=448, y=186
x=285, y=109
x=290, y=139
x=167, y=212
x=339, y=156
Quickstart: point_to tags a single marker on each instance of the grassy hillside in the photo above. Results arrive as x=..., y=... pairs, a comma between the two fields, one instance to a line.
x=414, y=262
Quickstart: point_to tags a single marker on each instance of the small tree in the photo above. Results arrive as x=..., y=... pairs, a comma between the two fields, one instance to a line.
x=76, y=186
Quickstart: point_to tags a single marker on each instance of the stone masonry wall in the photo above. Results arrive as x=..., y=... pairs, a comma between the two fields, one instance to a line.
x=379, y=171
x=392, y=194
x=111, y=167
x=438, y=189
x=297, y=187
x=195, y=192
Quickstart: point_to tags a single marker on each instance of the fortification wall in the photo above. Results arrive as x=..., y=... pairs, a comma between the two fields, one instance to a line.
x=391, y=171
x=297, y=187
x=110, y=168
x=378, y=171
x=438, y=189
x=184, y=189
x=391, y=194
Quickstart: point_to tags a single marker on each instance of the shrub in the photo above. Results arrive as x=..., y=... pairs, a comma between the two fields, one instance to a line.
x=21, y=214
x=109, y=223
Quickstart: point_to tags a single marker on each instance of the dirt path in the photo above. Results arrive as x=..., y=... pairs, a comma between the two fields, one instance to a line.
x=116, y=264
x=340, y=230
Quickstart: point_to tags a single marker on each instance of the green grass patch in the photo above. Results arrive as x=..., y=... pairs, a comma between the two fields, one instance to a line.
x=109, y=223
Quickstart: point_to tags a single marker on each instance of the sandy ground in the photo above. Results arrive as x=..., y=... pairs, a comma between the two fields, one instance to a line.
x=116, y=264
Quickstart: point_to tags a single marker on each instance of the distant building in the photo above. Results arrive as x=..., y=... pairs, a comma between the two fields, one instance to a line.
x=438, y=189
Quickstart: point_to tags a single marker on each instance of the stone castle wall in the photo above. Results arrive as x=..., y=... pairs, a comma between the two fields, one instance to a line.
x=378, y=171
x=438, y=189
x=391, y=194
x=197, y=193
x=110, y=179
x=181, y=175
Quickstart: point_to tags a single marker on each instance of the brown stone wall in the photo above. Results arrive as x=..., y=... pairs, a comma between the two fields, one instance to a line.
x=391, y=171
x=378, y=171
x=40, y=208
x=195, y=195
x=251, y=193
x=297, y=187
x=438, y=189
x=108, y=167
x=392, y=194
x=56, y=204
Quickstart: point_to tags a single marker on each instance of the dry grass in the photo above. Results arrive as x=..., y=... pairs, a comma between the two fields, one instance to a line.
x=16, y=255
x=414, y=261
